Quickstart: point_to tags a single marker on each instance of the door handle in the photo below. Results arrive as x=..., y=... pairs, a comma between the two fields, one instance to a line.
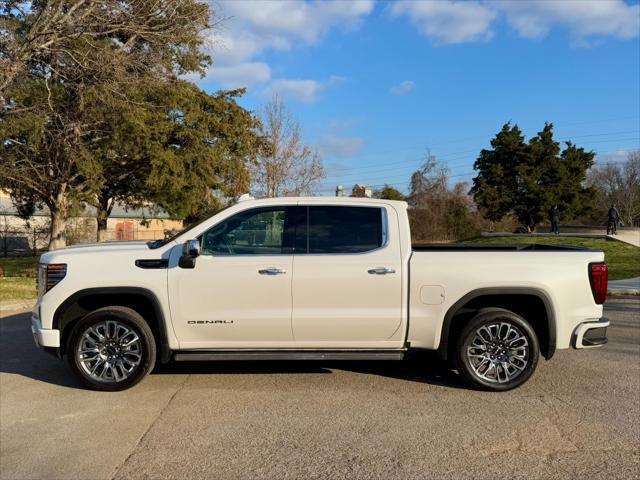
x=271, y=271
x=381, y=271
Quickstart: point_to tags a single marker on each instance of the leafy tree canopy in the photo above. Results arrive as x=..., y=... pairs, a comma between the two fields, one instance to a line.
x=388, y=193
x=93, y=110
x=528, y=179
x=176, y=147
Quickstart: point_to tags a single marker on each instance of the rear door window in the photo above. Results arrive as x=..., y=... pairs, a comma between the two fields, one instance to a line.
x=341, y=229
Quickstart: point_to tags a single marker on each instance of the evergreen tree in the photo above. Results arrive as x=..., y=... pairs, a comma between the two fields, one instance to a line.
x=61, y=63
x=175, y=146
x=388, y=193
x=529, y=179
x=496, y=186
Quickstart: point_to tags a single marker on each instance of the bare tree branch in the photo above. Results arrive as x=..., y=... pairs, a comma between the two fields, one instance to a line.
x=287, y=166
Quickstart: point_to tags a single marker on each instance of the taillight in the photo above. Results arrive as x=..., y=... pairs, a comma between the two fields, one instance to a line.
x=599, y=278
x=54, y=273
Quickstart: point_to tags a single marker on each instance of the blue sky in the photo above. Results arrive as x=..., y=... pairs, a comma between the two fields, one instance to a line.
x=375, y=84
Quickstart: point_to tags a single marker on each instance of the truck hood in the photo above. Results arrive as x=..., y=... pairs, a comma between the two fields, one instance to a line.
x=119, y=245
x=132, y=247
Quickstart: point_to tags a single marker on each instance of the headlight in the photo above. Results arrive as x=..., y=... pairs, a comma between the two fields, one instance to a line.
x=49, y=275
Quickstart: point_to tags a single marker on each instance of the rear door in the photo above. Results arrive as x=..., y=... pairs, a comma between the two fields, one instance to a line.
x=347, y=283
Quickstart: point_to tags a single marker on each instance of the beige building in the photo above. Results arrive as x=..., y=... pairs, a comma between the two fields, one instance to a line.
x=123, y=224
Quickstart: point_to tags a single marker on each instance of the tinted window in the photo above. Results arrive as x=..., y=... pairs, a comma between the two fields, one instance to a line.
x=253, y=232
x=344, y=229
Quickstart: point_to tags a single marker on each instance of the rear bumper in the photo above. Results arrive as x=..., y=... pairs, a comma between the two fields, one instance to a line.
x=590, y=334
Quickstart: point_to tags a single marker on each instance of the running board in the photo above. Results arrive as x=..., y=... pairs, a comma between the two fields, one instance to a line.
x=228, y=355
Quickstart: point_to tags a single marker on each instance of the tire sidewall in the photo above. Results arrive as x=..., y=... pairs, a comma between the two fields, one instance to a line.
x=484, y=318
x=131, y=319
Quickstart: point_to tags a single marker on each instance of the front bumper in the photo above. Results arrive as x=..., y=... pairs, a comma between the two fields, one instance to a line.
x=590, y=334
x=44, y=337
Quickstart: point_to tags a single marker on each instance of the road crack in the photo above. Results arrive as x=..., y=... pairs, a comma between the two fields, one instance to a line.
x=148, y=429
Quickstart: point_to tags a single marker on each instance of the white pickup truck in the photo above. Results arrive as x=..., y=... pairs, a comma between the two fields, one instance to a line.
x=315, y=279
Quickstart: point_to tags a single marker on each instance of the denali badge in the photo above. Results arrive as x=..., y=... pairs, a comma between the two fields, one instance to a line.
x=207, y=322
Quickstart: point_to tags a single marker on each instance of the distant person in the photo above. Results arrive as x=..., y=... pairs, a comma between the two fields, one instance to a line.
x=613, y=219
x=554, y=217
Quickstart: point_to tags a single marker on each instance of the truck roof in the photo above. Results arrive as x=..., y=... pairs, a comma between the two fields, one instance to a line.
x=324, y=200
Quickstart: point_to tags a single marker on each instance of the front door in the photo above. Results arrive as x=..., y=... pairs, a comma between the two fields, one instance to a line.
x=239, y=293
x=347, y=289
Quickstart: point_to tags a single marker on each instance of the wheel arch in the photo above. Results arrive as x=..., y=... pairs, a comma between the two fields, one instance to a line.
x=142, y=300
x=516, y=299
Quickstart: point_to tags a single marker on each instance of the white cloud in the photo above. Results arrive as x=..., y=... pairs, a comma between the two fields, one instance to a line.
x=251, y=27
x=281, y=23
x=447, y=21
x=456, y=21
x=304, y=91
x=246, y=74
x=402, y=88
x=583, y=18
x=342, y=124
x=616, y=156
x=336, y=80
x=343, y=147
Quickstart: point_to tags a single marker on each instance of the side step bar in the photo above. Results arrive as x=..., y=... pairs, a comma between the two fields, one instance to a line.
x=228, y=355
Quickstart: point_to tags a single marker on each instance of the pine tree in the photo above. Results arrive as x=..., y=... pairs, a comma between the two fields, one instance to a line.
x=528, y=179
x=496, y=187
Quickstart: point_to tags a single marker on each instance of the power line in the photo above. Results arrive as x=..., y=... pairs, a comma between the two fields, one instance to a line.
x=368, y=171
x=561, y=139
x=467, y=174
x=429, y=145
x=602, y=120
x=409, y=180
x=418, y=160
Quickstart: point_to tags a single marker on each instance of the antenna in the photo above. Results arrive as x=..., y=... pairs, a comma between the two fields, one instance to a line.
x=245, y=196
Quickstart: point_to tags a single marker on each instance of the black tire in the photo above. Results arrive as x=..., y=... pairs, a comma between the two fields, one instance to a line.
x=521, y=359
x=121, y=319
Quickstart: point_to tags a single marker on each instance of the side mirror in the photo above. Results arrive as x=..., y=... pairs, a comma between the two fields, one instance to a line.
x=190, y=251
x=191, y=248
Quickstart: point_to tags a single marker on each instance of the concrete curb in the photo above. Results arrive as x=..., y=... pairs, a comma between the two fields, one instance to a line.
x=628, y=286
x=624, y=292
x=15, y=305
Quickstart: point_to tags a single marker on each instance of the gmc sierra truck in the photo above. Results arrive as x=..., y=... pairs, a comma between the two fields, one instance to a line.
x=314, y=279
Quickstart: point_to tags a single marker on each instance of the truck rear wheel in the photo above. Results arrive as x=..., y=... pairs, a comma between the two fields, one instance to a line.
x=497, y=350
x=111, y=349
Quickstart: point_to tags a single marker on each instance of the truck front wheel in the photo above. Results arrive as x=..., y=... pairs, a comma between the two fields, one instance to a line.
x=497, y=350
x=111, y=349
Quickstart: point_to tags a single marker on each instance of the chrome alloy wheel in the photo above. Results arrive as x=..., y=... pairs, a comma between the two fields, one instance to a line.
x=109, y=351
x=498, y=352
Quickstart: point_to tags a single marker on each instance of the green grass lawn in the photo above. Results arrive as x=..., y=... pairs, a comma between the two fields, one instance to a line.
x=19, y=266
x=623, y=259
x=19, y=279
x=17, y=288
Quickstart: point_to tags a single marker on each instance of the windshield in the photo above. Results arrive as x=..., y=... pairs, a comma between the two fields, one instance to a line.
x=170, y=238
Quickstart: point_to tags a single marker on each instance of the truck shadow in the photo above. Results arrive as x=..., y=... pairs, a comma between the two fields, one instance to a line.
x=422, y=368
x=20, y=356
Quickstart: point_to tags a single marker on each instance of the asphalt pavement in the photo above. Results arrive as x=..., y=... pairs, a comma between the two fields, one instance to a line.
x=579, y=416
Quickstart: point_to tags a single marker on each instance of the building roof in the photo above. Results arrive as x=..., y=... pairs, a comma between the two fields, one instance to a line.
x=119, y=211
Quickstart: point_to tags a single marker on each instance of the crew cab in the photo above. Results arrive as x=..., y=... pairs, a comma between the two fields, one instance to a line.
x=315, y=278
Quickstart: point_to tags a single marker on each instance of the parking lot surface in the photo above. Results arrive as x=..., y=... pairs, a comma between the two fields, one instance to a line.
x=578, y=416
